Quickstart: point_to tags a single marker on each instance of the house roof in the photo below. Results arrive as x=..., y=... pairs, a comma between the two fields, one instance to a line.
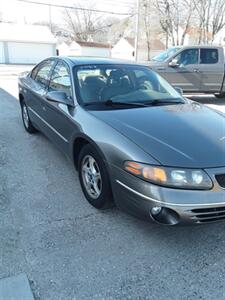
x=195, y=31
x=155, y=44
x=92, y=44
x=130, y=40
x=26, y=33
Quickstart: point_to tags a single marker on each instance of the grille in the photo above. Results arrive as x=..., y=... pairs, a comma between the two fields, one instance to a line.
x=221, y=180
x=204, y=215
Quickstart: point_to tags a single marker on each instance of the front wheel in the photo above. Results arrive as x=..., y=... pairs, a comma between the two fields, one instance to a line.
x=94, y=178
x=26, y=119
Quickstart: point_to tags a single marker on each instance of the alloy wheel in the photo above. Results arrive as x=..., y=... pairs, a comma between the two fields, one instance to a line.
x=91, y=177
x=25, y=116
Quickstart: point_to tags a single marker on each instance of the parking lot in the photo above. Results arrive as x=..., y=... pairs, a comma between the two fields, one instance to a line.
x=69, y=250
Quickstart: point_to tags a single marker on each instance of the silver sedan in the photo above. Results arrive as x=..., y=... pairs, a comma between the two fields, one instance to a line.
x=134, y=139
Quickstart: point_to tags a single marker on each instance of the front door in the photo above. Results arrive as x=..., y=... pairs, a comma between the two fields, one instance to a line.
x=59, y=115
x=185, y=73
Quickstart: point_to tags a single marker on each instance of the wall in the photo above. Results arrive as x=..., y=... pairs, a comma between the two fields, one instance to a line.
x=220, y=38
x=94, y=51
x=123, y=50
x=2, y=55
x=25, y=53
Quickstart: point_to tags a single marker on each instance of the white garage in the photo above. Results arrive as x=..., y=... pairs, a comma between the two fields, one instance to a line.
x=25, y=44
x=18, y=52
x=2, y=58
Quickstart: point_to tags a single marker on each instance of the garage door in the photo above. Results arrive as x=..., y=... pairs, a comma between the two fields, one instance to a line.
x=2, y=59
x=29, y=53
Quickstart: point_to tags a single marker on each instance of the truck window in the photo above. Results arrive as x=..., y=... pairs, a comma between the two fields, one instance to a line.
x=187, y=57
x=209, y=56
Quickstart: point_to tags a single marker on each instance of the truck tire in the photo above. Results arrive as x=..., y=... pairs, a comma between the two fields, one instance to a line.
x=220, y=95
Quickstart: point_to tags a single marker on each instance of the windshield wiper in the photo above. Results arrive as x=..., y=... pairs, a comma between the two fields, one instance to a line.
x=114, y=103
x=135, y=104
x=165, y=101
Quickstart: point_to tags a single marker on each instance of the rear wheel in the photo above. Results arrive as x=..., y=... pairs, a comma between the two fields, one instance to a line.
x=94, y=178
x=26, y=119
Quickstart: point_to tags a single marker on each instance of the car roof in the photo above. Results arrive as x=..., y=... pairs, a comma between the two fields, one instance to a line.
x=201, y=46
x=86, y=60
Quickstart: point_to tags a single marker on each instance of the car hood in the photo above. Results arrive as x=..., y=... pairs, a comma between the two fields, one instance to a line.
x=184, y=135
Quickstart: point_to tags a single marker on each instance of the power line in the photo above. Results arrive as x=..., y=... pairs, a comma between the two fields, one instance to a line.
x=114, y=2
x=132, y=2
x=73, y=7
x=122, y=2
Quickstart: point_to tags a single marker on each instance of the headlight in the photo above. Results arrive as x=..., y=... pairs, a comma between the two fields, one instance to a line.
x=170, y=177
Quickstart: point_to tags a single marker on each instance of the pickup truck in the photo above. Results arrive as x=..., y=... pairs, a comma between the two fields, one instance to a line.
x=195, y=69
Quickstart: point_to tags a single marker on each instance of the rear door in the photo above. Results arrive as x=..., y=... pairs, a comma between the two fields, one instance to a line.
x=38, y=82
x=185, y=74
x=211, y=68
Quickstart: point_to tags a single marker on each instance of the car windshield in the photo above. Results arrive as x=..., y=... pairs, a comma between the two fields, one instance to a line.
x=166, y=54
x=122, y=84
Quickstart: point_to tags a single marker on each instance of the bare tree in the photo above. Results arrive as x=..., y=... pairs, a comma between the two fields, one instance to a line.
x=149, y=25
x=146, y=6
x=166, y=19
x=82, y=24
x=189, y=7
x=218, y=17
x=1, y=17
x=175, y=15
x=211, y=18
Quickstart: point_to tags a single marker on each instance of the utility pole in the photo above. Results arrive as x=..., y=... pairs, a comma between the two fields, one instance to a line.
x=50, y=16
x=137, y=29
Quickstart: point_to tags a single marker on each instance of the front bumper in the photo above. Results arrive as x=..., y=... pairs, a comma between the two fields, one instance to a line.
x=138, y=197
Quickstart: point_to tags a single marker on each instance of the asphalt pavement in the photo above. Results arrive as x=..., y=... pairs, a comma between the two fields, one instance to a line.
x=69, y=250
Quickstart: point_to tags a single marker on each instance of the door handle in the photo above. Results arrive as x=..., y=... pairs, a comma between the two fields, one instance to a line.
x=161, y=69
x=43, y=108
x=196, y=71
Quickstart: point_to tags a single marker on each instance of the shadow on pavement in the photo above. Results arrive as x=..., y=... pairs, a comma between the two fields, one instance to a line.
x=206, y=99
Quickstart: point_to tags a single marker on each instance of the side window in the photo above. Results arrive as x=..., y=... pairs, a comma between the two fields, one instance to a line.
x=60, y=80
x=34, y=72
x=187, y=57
x=209, y=56
x=43, y=73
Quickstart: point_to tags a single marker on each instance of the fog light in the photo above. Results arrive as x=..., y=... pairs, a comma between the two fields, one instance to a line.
x=156, y=210
x=164, y=215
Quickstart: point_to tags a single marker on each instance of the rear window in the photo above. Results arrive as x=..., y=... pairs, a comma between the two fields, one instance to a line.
x=209, y=56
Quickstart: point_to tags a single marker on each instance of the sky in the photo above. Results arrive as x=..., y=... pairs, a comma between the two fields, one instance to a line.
x=21, y=12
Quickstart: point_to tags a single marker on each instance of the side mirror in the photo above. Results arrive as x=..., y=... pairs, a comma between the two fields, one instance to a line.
x=174, y=63
x=179, y=90
x=60, y=97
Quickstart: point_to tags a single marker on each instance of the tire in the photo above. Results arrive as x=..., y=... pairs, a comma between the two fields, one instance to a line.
x=94, y=178
x=26, y=119
x=220, y=95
